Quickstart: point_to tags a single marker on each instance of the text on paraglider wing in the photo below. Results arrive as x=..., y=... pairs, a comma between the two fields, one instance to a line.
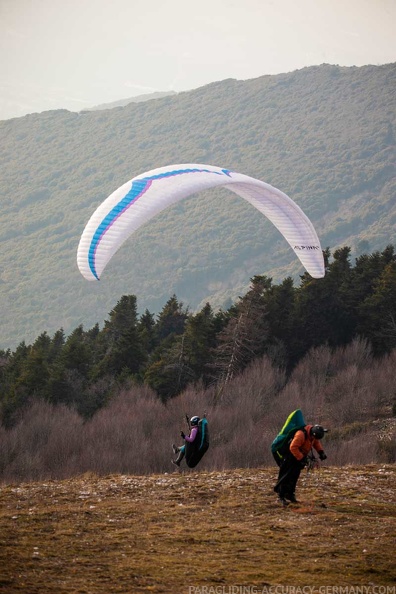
x=306, y=247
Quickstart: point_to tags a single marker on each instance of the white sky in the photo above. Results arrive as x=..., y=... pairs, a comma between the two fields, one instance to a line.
x=79, y=53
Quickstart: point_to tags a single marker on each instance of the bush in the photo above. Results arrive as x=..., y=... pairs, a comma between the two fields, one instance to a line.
x=133, y=433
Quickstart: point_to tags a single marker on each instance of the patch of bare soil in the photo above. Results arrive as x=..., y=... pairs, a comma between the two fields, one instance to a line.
x=176, y=532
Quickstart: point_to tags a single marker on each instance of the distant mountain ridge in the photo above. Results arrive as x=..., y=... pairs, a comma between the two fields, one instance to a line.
x=325, y=135
x=137, y=99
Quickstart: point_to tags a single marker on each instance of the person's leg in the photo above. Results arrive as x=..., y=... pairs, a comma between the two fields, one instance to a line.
x=180, y=457
x=282, y=485
x=290, y=487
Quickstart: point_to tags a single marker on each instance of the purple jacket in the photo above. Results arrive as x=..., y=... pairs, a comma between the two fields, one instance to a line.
x=190, y=438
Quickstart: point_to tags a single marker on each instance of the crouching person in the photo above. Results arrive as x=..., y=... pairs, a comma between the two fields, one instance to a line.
x=296, y=459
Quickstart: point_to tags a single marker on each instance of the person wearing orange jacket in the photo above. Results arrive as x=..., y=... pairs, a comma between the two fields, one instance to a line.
x=296, y=459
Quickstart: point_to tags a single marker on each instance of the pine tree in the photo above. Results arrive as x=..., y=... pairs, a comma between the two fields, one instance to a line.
x=171, y=319
x=120, y=341
x=148, y=332
x=322, y=310
x=199, y=339
x=282, y=323
x=377, y=313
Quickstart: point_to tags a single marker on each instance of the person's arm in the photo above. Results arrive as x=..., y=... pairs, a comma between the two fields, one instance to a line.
x=192, y=435
x=317, y=445
x=319, y=448
x=297, y=442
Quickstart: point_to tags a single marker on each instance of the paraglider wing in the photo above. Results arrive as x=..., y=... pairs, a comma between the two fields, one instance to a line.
x=144, y=196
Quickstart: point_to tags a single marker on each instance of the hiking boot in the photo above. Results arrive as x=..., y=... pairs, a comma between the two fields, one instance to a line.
x=283, y=501
x=176, y=463
x=292, y=498
x=175, y=448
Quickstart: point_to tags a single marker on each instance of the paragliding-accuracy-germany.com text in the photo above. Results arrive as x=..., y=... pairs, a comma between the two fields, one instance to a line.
x=238, y=589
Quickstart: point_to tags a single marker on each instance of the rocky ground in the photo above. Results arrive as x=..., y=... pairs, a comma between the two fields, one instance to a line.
x=198, y=532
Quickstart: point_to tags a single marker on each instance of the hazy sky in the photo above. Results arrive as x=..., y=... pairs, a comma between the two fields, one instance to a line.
x=79, y=53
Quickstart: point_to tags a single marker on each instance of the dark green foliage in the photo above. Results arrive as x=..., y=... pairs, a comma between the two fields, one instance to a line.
x=179, y=348
x=324, y=135
x=200, y=339
x=321, y=308
x=121, y=342
x=377, y=313
x=147, y=331
x=171, y=319
x=168, y=372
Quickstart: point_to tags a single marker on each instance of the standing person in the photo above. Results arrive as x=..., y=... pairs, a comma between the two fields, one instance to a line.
x=194, y=421
x=296, y=459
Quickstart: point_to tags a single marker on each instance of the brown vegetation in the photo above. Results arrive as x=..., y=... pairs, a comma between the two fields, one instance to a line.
x=346, y=390
x=172, y=532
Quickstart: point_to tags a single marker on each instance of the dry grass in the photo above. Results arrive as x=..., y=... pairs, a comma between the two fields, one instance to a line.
x=164, y=533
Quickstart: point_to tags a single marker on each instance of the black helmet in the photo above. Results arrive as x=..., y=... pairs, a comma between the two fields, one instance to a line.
x=317, y=431
x=194, y=421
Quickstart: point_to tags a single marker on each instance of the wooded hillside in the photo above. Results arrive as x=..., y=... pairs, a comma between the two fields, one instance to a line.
x=324, y=135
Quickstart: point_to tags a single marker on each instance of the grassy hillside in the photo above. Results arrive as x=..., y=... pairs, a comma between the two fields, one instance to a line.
x=180, y=532
x=324, y=135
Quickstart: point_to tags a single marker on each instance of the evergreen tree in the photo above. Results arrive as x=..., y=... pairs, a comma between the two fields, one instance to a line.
x=171, y=319
x=148, y=332
x=70, y=369
x=282, y=322
x=200, y=340
x=377, y=313
x=181, y=359
x=322, y=310
x=169, y=374
x=121, y=341
x=57, y=344
x=76, y=353
x=35, y=370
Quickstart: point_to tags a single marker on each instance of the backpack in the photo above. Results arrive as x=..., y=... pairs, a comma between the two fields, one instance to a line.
x=195, y=450
x=280, y=446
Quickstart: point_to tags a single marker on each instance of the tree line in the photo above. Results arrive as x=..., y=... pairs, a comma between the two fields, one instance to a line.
x=177, y=349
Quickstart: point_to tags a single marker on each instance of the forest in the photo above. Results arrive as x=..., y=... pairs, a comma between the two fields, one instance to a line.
x=111, y=399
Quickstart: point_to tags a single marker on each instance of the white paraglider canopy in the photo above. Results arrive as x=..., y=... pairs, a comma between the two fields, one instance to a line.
x=144, y=196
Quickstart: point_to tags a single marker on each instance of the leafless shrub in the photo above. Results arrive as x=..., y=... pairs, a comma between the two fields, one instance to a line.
x=358, y=449
x=344, y=396
x=386, y=450
x=314, y=369
x=358, y=353
x=259, y=383
x=133, y=434
x=39, y=446
x=127, y=435
x=294, y=396
x=381, y=377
